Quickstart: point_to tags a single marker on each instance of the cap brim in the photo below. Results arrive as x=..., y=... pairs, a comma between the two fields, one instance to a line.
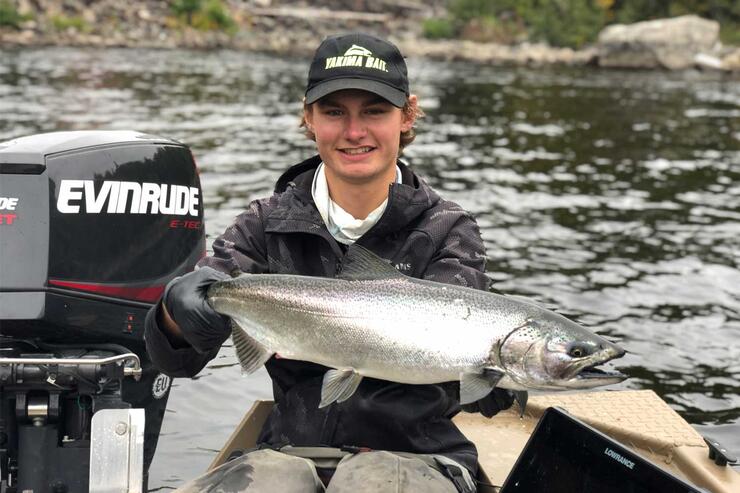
x=394, y=96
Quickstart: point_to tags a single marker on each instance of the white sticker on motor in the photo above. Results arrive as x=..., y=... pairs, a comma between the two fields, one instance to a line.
x=161, y=385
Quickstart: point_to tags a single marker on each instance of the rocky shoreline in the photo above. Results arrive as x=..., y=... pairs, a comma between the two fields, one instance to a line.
x=678, y=43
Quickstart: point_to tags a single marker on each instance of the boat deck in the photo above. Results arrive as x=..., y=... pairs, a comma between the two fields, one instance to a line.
x=637, y=418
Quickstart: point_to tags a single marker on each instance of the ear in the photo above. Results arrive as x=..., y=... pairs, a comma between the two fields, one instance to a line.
x=409, y=117
x=308, y=114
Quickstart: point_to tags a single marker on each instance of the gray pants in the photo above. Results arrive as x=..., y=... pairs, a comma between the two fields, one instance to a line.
x=272, y=471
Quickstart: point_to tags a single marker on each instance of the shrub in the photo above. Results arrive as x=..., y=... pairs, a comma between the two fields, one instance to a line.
x=63, y=22
x=204, y=15
x=438, y=28
x=729, y=33
x=572, y=23
x=488, y=29
x=214, y=15
x=186, y=8
x=9, y=15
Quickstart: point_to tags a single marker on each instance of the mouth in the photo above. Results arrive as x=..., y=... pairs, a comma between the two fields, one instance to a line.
x=357, y=151
x=592, y=373
x=587, y=373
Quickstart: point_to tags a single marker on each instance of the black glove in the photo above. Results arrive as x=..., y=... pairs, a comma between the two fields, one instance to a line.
x=185, y=300
x=497, y=400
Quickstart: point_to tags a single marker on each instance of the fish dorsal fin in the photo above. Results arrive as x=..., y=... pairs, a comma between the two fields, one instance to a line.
x=250, y=353
x=360, y=264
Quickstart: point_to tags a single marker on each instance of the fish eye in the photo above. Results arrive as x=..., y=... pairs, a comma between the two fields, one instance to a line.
x=577, y=351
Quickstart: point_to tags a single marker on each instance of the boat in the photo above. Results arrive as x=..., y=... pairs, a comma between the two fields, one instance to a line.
x=637, y=419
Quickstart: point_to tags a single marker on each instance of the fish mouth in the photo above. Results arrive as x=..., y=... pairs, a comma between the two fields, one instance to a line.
x=593, y=372
x=588, y=373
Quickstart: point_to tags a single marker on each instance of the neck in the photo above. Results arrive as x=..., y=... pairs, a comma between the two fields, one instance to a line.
x=360, y=199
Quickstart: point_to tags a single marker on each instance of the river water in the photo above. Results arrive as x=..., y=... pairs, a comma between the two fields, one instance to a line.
x=613, y=196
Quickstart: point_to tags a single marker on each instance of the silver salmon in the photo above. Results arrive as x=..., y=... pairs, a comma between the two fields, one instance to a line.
x=373, y=321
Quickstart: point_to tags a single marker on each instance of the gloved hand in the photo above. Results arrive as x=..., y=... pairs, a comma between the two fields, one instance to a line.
x=185, y=300
x=490, y=405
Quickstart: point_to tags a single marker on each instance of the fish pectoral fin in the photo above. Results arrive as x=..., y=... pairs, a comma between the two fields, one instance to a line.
x=339, y=385
x=521, y=397
x=250, y=353
x=475, y=386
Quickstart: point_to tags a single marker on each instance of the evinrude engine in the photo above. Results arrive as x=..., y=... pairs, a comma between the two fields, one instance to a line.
x=93, y=224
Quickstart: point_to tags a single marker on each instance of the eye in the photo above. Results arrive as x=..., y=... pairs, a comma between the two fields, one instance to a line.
x=332, y=112
x=577, y=351
x=378, y=109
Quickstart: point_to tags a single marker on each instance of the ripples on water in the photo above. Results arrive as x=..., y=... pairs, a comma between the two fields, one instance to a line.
x=613, y=196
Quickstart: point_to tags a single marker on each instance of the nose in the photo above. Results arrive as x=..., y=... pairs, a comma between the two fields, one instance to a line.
x=356, y=128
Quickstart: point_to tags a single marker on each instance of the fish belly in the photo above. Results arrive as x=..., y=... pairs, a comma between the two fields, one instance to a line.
x=378, y=334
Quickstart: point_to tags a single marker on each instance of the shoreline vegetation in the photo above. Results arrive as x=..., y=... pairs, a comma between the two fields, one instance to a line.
x=640, y=34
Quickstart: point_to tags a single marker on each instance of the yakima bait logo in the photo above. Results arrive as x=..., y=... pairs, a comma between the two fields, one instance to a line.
x=8, y=204
x=356, y=56
x=120, y=197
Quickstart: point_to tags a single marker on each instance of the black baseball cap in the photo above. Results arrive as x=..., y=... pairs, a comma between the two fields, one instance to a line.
x=358, y=61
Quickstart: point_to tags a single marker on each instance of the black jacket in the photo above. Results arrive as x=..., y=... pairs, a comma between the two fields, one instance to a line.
x=424, y=236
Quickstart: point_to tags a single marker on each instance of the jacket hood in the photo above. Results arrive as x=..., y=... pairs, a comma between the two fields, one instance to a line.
x=406, y=200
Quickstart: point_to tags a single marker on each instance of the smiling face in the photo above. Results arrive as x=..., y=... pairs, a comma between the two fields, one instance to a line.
x=357, y=134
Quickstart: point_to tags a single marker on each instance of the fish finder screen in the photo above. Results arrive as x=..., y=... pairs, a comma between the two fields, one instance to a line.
x=566, y=455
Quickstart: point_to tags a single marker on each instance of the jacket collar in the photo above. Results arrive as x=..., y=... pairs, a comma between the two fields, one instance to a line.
x=296, y=211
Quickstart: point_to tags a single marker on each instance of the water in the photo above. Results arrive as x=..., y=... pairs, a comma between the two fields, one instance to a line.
x=613, y=196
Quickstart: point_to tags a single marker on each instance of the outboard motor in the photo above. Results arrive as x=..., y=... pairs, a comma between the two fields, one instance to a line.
x=93, y=224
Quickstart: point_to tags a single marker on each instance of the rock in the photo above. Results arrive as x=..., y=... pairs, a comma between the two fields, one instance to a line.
x=731, y=61
x=669, y=43
x=89, y=16
x=29, y=25
x=704, y=60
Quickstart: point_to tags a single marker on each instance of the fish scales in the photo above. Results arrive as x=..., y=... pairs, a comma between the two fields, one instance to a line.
x=366, y=322
x=374, y=321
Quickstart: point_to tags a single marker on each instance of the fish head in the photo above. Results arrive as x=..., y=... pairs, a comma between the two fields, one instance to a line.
x=550, y=352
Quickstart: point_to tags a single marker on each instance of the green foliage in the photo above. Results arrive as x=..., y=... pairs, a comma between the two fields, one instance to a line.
x=437, y=28
x=572, y=22
x=558, y=22
x=214, y=15
x=204, y=15
x=488, y=28
x=186, y=9
x=729, y=33
x=466, y=10
x=9, y=15
x=63, y=22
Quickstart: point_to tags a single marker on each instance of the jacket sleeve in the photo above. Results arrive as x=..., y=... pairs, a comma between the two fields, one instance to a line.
x=459, y=256
x=175, y=362
x=241, y=248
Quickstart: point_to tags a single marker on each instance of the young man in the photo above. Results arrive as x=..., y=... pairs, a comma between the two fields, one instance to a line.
x=359, y=111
